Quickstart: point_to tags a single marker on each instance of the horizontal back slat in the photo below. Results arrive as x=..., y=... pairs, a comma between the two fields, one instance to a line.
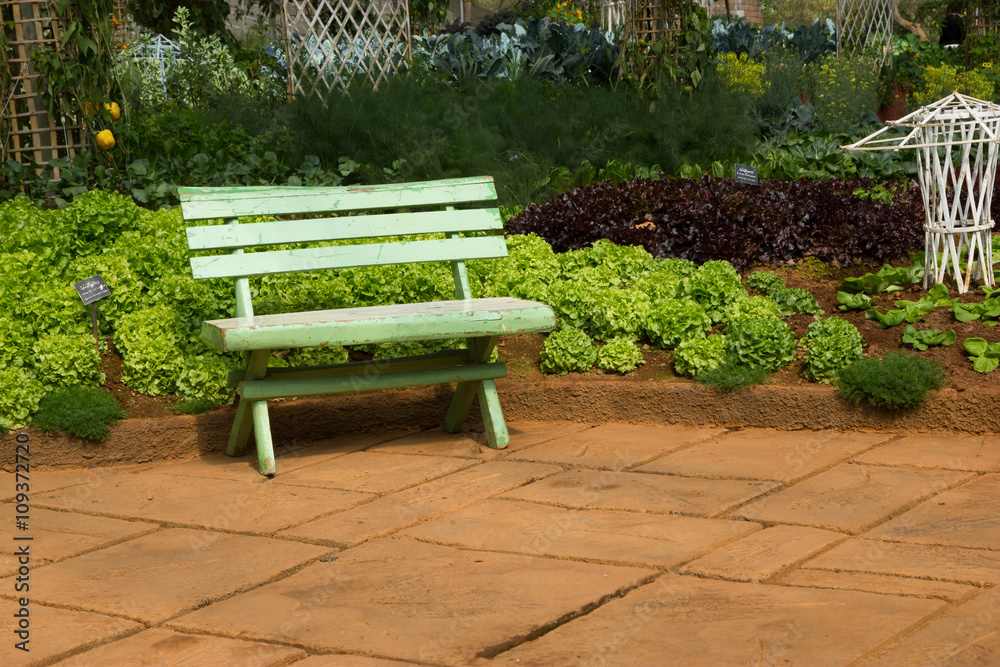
x=348, y=227
x=229, y=202
x=342, y=257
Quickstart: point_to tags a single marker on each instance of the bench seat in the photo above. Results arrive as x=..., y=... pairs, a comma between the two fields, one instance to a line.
x=438, y=320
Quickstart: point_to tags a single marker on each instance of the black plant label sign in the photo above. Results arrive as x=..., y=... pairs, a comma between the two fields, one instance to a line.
x=92, y=289
x=746, y=175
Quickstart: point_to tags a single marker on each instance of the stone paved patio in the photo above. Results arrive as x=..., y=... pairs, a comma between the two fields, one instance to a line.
x=616, y=544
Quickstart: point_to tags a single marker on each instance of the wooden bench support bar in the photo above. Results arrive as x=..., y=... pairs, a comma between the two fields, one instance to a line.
x=240, y=433
x=255, y=390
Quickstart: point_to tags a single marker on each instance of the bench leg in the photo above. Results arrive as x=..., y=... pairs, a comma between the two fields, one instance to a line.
x=262, y=437
x=479, y=350
x=240, y=434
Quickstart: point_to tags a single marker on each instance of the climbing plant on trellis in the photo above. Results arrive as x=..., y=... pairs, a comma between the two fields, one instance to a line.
x=865, y=26
x=330, y=42
x=982, y=17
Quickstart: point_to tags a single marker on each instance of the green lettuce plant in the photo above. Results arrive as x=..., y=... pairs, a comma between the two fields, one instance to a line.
x=674, y=320
x=204, y=378
x=618, y=312
x=752, y=306
x=61, y=359
x=19, y=396
x=763, y=282
x=764, y=342
x=619, y=355
x=149, y=341
x=715, y=285
x=793, y=300
x=568, y=350
x=695, y=356
x=572, y=303
x=319, y=356
x=831, y=345
x=15, y=343
x=925, y=338
x=985, y=356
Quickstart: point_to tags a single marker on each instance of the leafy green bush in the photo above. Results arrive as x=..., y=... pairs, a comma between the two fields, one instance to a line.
x=765, y=342
x=318, y=356
x=19, y=396
x=715, y=285
x=695, y=356
x=831, y=345
x=763, y=282
x=572, y=303
x=731, y=375
x=204, y=378
x=671, y=321
x=752, y=306
x=793, y=300
x=618, y=312
x=81, y=411
x=62, y=359
x=15, y=343
x=568, y=350
x=898, y=381
x=619, y=355
x=149, y=341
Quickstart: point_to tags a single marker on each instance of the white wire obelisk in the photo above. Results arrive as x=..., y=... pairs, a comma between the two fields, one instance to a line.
x=956, y=140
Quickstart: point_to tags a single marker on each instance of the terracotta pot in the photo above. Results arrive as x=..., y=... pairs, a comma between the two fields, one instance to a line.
x=896, y=109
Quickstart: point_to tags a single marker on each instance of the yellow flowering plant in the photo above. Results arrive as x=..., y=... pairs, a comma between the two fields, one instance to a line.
x=941, y=81
x=843, y=92
x=742, y=75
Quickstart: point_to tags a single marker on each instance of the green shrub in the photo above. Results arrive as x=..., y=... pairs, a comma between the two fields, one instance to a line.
x=81, y=411
x=619, y=355
x=898, y=381
x=831, y=345
x=750, y=307
x=618, y=312
x=695, y=356
x=765, y=342
x=674, y=320
x=19, y=396
x=568, y=350
x=731, y=375
x=61, y=359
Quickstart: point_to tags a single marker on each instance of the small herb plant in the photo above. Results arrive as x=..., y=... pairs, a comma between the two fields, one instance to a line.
x=732, y=375
x=81, y=411
x=897, y=382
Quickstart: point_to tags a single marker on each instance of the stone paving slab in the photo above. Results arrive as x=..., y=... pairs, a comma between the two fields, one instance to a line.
x=413, y=601
x=58, y=535
x=374, y=472
x=949, y=451
x=684, y=620
x=615, y=446
x=850, y=497
x=766, y=454
x=875, y=583
x=966, y=635
x=763, y=554
x=154, y=577
x=345, y=660
x=641, y=492
x=966, y=516
x=55, y=632
x=288, y=459
x=528, y=434
x=76, y=483
x=221, y=504
x=160, y=646
x=437, y=442
x=399, y=510
x=911, y=560
x=622, y=538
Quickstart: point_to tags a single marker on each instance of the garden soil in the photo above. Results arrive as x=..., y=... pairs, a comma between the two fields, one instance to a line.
x=653, y=393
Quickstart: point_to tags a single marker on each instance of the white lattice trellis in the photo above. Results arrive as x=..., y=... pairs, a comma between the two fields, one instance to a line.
x=330, y=42
x=956, y=140
x=864, y=25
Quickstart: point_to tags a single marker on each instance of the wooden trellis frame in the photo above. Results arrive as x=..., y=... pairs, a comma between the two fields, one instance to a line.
x=27, y=131
x=864, y=24
x=330, y=42
x=652, y=20
x=982, y=17
x=956, y=139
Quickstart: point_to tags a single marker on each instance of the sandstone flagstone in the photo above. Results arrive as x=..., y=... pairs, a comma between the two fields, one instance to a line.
x=875, y=583
x=949, y=451
x=850, y=497
x=57, y=535
x=682, y=620
x=530, y=433
x=399, y=510
x=763, y=554
x=966, y=516
x=412, y=601
x=627, y=538
x=615, y=446
x=347, y=660
x=607, y=489
x=765, y=454
x=159, y=646
x=221, y=504
x=54, y=631
x=966, y=635
x=156, y=576
x=374, y=472
x=437, y=442
x=911, y=560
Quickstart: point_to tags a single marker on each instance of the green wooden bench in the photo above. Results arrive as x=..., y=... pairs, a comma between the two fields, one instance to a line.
x=364, y=212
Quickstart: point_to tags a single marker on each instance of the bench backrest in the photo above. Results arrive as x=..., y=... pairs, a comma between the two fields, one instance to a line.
x=332, y=214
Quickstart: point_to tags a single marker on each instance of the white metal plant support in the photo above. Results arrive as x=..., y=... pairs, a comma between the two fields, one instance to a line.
x=956, y=139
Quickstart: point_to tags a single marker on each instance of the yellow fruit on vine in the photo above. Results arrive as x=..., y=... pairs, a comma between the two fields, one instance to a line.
x=114, y=110
x=105, y=140
x=91, y=109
